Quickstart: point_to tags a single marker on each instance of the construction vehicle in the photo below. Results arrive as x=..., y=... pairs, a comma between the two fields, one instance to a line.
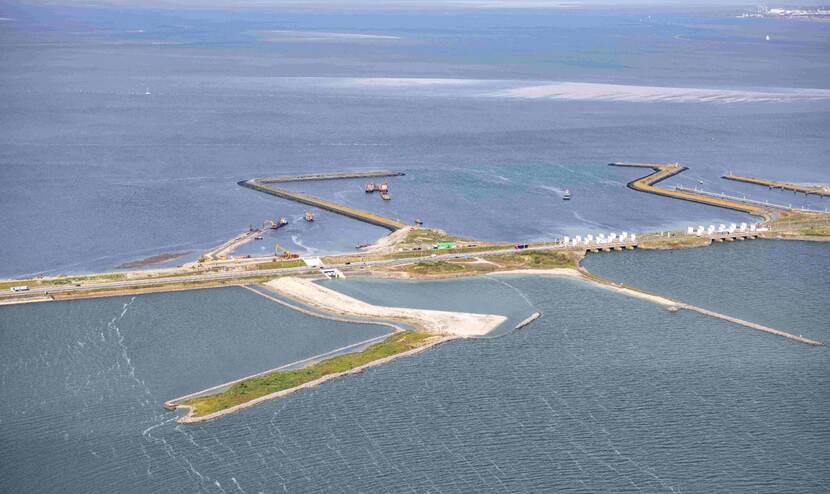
x=283, y=253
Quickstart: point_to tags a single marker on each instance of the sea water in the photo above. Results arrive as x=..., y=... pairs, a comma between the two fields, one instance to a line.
x=782, y=284
x=603, y=393
x=94, y=172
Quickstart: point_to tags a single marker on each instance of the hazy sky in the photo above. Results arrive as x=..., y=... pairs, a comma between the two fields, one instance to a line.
x=410, y=4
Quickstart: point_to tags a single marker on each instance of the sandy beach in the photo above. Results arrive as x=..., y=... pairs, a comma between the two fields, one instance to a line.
x=460, y=324
x=575, y=273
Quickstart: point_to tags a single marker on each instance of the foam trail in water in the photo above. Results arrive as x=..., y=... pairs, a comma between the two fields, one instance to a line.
x=299, y=243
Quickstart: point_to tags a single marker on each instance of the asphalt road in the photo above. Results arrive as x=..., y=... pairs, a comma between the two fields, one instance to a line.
x=241, y=275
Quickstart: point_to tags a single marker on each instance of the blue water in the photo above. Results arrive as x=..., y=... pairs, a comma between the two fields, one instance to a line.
x=783, y=284
x=604, y=393
x=83, y=382
x=96, y=173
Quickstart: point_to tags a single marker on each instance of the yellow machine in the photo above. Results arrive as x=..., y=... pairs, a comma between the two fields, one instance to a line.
x=284, y=253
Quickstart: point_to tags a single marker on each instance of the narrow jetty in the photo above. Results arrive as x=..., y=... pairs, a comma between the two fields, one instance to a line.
x=530, y=319
x=330, y=176
x=228, y=247
x=823, y=191
x=663, y=171
x=751, y=325
x=266, y=185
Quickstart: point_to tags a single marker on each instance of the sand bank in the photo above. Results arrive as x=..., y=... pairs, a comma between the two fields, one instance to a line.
x=545, y=272
x=461, y=324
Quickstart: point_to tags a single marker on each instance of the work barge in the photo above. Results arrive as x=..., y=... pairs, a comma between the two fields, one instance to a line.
x=267, y=185
x=663, y=171
x=823, y=191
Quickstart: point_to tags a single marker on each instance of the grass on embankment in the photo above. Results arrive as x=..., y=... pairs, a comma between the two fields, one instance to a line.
x=655, y=242
x=538, y=259
x=62, y=280
x=541, y=259
x=250, y=389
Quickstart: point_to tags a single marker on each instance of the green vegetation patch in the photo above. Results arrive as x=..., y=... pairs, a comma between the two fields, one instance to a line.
x=435, y=267
x=420, y=236
x=538, y=259
x=815, y=231
x=250, y=389
x=294, y=263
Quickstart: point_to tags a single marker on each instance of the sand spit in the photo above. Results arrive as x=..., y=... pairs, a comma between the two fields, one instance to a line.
x=189, y=418
x=445, y=325
x=545, y=272
x=460, y=324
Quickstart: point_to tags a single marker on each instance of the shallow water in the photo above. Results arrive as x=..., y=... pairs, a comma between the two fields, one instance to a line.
x=604, y=393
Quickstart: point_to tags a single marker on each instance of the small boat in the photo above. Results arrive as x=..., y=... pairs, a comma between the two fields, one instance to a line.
x=384, y=187
x=258, y=237
x=283, y=221
x=567, y=195
x=370, y=187
x=385, y=196
x=418, y=221
x=309, y=216
x=147, y=91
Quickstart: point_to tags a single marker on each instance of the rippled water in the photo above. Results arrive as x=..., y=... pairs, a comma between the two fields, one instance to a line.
x=602, y=394
x=83, y=382
x=783, y=284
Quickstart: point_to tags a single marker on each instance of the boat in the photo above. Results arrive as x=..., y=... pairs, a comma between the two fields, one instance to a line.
x=567, y=195
x=370, y=187
x=384, y=187
x=283, y=221
x=309, y=216
x=418, y=221
x=258, y=237
x=385, y=196
x=147, y=91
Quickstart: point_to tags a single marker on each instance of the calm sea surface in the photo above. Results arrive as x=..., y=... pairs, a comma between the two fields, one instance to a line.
x=94, y=172
x=604, y=393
